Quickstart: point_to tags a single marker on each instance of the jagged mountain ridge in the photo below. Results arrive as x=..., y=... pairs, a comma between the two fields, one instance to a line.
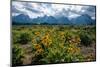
x=80, y=20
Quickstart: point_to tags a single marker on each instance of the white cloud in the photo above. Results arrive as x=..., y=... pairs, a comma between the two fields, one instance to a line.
x=15, y=14
x=18, y=5
x=34, y=10
x=73, y=16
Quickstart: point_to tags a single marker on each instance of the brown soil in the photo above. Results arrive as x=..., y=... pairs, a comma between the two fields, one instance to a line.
x=27, y=54
x=89, y=52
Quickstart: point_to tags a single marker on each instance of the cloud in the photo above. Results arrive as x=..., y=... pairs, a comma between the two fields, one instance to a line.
x=34, y=10
x=90, y=10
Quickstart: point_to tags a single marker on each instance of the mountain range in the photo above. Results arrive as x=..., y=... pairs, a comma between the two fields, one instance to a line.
x=80, y=20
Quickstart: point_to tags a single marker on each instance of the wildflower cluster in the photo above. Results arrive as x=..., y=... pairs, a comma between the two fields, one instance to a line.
x=46, y=41
x=37, y=33
x=73, y=49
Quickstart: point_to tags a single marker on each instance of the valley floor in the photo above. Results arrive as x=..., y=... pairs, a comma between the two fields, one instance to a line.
x=47, y=44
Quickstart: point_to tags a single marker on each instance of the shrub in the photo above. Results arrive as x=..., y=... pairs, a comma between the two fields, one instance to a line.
x=86, y=39
x=59, y=54
x=17, y=55
x=15, y=36
x=25, y=37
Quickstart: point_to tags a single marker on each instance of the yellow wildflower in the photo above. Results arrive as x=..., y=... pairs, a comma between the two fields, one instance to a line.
x=37, y=46
x=46, y=40
x=40, y=50
x=37, y=33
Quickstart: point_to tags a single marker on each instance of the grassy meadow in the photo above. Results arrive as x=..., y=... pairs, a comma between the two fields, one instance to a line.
x=49, y=44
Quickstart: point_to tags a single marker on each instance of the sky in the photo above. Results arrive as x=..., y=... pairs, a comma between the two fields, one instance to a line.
x=34, y=10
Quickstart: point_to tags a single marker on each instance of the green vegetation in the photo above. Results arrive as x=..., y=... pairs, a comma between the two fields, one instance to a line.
x=17, y=55
x=43, y=44
x=86, y=39
x=24, y=37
